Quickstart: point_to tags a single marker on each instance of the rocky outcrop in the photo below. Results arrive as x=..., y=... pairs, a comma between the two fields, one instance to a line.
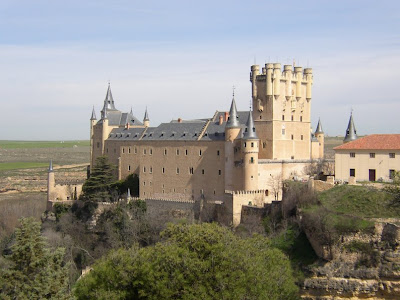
x=360, y=266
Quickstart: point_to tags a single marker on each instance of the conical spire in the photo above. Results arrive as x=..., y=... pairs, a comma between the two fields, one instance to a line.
x=131, y=112
x=51, y=166
x=351, y=132
x=250, y=129
x=233, y=116
x=93, y=117
x=108, y=103
x=146, y=116
x=319, y=127
x=104, y=113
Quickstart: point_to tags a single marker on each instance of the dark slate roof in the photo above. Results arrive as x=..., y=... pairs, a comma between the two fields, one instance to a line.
x=319, y=127
x=351, y=132
x=109, y=100
x=117, y=118
x=93, y=117
x=146, y=116
x=126, y=134
x=174, y=132
x=250, y=129
x=232, y=120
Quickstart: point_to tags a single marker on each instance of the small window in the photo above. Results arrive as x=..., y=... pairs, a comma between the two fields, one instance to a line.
x=144, y=169
x=391, y=174
x=165, y=151
x=191, y=170
x=163, y=170
x=144, y=182
x=151, y=151
x=177, y=170
x=217, y=152
x=264, y=144
x=200, y=152
x=292, y=118
x=245, y=144
x=392, y=155
x=301, y=118
x=283, y=117
x=353, y=172
x=186, y=152
x=352, y=154
x=144, y=151
x=283, y=131
x=301, y=137
x=177, y=151
x=219, y=172
x=252, y=160
x=135, y=150
x=151, y=170
x=202, y=171
x=129, y=150
x=129, y=167
x=252, y=144
x=372, y=155
x=292, y=136
x=123, y=150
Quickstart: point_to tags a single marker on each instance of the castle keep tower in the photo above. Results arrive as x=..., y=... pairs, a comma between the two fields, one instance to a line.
x=282, y=106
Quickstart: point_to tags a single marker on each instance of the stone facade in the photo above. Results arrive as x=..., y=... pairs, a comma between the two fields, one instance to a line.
x=223, y=159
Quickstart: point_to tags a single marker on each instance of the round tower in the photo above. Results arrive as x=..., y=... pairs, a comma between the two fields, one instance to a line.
x=277, y=80
x=104, y=129
x=309, y=80
x=250, y=148
x=319, y=134
x=232, y=131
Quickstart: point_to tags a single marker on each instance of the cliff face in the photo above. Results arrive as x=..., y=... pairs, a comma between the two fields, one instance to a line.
x=359, y=266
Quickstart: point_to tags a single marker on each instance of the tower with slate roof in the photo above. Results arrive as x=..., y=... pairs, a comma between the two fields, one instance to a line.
x=249, y=149
x=351, y=132
x=319, y=134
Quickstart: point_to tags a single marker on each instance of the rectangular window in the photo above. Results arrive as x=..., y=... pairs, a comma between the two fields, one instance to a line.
x=391, y=174
x=165, y=151
x=283, y=117
x=129, y=167
x=151, y=151
x=123, y=150
x=186, y=152
x=372, y=155
x=283, y=131
x=392, y=155
x=191, y=170
x=129, y=150
x=252, y=144
x=301, y=137
x=144, y=182
x=200, y=153
x=292, y=118
x=151, y=170
x=301, y=118
x=177, y=151
x=292, y=136
x=144, y=169
x=144, y=151
x=353, y=172
x=217, y=152
x=252, y=160
x=135, y=150
x=352, y=154
x=202, y=171
x=177, y=170
x=219, y=172
x=163, y=170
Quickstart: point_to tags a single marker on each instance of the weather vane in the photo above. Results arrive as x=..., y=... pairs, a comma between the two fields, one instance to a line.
x=233, y=91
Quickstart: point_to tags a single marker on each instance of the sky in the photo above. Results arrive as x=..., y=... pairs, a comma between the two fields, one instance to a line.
x=181, y=59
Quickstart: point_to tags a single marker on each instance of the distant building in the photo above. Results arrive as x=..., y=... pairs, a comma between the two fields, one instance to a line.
x=233, y=157
x=370, y=158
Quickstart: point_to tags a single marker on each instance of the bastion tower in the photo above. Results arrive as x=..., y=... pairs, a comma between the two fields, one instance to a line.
x=250, y=145
x=281, y=110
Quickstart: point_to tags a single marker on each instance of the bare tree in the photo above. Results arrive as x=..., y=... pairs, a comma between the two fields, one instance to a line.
x=275, y=183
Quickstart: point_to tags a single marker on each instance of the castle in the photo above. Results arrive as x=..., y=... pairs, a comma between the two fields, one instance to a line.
x=231, y=159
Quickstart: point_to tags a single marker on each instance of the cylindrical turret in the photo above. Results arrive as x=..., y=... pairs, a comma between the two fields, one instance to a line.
x=104, y=134
x=308, y=74
x=250, y=164
x=268, y=80
x=255, y=69
x=277, y=80
x=287, y=73
x=298, y=71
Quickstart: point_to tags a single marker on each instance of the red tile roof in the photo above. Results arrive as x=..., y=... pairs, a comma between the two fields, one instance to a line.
x=373, y=142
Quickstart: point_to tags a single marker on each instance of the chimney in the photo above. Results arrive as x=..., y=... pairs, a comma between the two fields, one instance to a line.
x=179, y=120
x=226, y=116
x=221, y=119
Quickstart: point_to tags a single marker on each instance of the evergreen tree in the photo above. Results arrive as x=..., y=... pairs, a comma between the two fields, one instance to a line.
x=99, y=186
x=36, y=273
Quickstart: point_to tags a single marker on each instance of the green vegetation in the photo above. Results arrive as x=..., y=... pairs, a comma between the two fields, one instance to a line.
x=34, y=272
x=359, y=201
x=204, y=261
x=41, y=144
x=21, y=165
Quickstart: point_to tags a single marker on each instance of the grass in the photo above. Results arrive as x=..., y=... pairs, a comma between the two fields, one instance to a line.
x=364, y=202
x=41, y=144
x=21, y=165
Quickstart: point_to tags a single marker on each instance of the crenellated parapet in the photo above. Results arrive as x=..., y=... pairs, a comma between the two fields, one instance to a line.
x=243, y=192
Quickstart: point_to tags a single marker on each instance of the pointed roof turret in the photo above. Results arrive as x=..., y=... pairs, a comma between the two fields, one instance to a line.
x=319, y=127
x=109, y=100
x=51, y=166
x=351, y=132
x=131, y=112
x=146, y=115
x=93, y=117
x=250, y=129
x=104, y=113
x=233, y=116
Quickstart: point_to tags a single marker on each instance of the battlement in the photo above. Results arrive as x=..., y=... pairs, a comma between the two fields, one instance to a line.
x=253, y=192
x=163, y=199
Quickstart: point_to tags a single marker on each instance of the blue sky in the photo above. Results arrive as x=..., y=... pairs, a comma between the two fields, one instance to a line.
x=181, y=58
